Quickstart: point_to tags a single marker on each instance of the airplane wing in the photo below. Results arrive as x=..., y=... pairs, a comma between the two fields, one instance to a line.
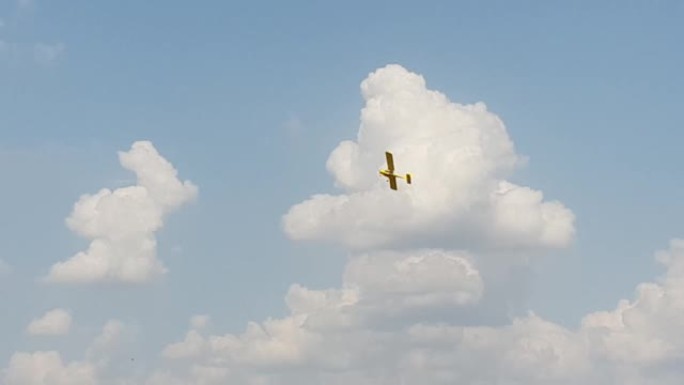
x=390, y=161
x=392, y=181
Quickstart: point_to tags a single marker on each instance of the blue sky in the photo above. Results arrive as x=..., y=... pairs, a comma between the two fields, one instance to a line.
x=247, y=99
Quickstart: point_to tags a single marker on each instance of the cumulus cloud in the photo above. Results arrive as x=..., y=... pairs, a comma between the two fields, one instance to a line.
x=108, y=339
x=398, y=318
x=330, y=328
x=54, y=322
x=200, y=321
x=112, y=353
x=122, y=223
x=403, y=311
x=638, y=343
x=645, y=331
x=98, y=367
x=391, y=284
x=459, y=156
x=47, y=368
x=400, y=312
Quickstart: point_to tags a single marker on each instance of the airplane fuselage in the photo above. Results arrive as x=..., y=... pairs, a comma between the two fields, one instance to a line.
x=390, y=174
x=386, y=173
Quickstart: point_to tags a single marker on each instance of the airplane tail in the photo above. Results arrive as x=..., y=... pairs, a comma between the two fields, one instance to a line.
x=408, y=178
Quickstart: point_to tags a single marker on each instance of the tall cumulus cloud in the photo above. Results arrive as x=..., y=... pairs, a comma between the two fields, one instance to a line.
x=420, y=258
x=459, y=157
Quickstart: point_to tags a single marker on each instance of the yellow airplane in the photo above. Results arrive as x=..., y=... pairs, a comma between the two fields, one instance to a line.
x=389, y=172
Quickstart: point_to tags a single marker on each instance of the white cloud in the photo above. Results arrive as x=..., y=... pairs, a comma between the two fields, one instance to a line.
x=47, y=368
x=403, y=314
x=369, y=330
x=395, y=319
x=393, y=284
x=459, y=156
x=326, y=327
x=645, y=331
x=108, y=339
x=103, y=363
x=639, y=343
x=122, y=223
x=200, y=321
x=54, y=322
x=111, y=354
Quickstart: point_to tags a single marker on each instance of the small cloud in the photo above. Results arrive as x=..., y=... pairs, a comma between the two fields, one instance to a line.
x=54, y=322
x=200, y=321
x=24, y=4
x=111, y=333
x=46, y=367
x=4, y=48
x=122, y=223
x=294, y=127
x=47, y=54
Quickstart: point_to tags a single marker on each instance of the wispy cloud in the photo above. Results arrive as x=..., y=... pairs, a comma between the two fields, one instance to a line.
x=48, y=54
x=4, y=268
x=294, y=127
x=26, y=4
x=4, y=48
x=38, y=52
